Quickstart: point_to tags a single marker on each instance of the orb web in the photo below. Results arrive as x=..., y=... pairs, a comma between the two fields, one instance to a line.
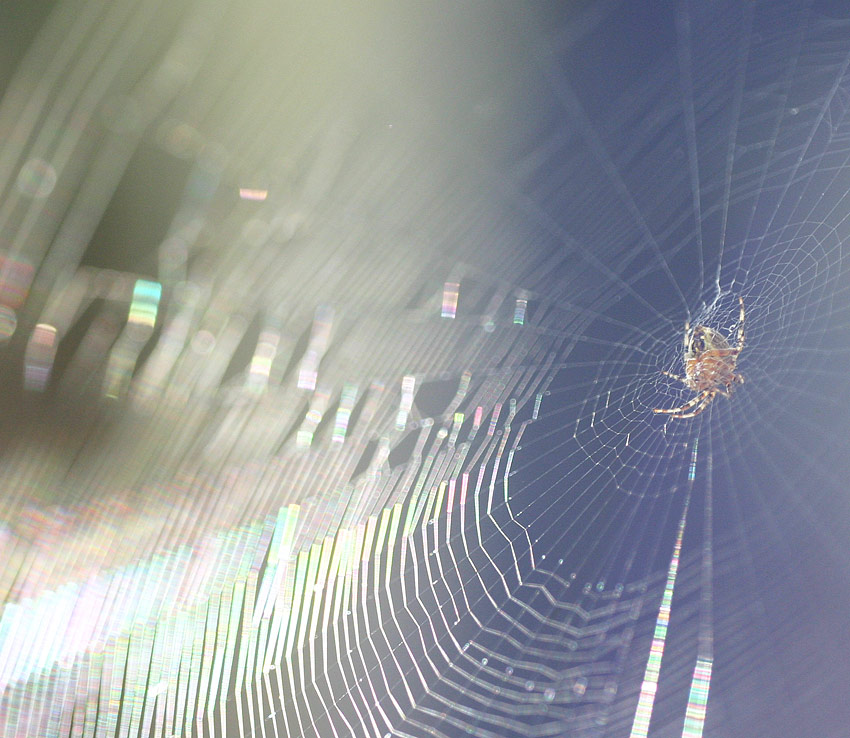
x=372, y=451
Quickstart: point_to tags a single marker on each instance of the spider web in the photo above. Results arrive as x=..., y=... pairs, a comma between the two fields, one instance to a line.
x=362, y=442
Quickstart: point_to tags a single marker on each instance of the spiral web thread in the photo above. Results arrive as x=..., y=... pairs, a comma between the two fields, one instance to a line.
x=431, y=497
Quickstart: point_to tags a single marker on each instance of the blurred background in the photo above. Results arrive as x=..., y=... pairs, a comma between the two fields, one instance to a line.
x=330, y=339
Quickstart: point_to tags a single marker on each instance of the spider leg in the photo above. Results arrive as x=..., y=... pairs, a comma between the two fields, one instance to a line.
x=727, y=392
x=677, y=377
x=687, y=406
x=709, y=396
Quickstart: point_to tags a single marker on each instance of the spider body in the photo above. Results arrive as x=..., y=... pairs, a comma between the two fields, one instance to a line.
x=710, y=362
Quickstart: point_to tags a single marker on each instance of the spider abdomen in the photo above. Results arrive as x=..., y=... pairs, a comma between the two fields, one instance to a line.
x=710, y=372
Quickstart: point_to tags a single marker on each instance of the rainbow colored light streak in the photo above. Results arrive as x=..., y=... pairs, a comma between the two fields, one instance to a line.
x=643, y=713
x=145, y=303
x=451, y=292
x=408, y=384
x=519, y=311
x=698, y=699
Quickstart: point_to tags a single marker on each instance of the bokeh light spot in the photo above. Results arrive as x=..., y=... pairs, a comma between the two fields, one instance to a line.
x=36, y=179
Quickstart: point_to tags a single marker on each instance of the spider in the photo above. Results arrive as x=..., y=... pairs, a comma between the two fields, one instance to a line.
x=709, y=367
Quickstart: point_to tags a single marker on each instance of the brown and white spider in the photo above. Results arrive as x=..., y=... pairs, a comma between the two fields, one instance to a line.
x=709, y=367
